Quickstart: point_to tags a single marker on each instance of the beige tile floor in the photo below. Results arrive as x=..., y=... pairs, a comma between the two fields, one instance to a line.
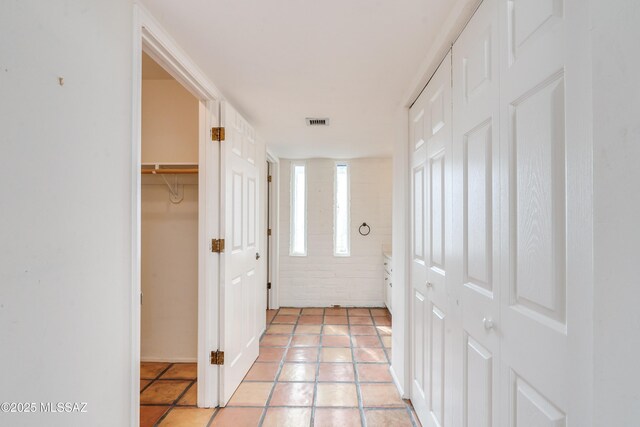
x=317, y=367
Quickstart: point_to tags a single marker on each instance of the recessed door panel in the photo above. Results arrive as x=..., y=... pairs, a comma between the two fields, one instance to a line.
x=539, y=202
x=436, y=210
x=527, y=19
x=437, y=374
x=478, y=384
x=417, y=129
x=478, y=207
x=419, y=344
x=438, y=113
x=531, y=409
x=251, y=213
x=477, y=66
x=237, y=198
x=418, y=213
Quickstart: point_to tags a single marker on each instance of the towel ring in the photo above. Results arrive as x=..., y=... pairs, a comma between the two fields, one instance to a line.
x=366, y=230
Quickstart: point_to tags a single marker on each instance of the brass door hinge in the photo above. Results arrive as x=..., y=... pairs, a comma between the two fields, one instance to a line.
x=269, y=178
x=217, y=357
x=217, y=134
x=217, y=245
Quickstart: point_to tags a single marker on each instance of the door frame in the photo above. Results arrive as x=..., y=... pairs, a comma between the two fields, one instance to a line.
x=150, y=37
x=273, y=243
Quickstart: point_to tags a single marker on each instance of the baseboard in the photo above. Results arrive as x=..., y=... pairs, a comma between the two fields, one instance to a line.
x=170, y=359
x=397, y=383
x=314, y=304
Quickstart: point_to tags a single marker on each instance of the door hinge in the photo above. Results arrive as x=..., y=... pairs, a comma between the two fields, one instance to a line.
x=268, y=232
x=269, y=178
x=217, y=134
x=268, y=285
x=217, y=357
x=217, y=245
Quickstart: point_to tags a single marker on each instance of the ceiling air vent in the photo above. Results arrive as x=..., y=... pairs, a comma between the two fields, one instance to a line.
x=314, y=121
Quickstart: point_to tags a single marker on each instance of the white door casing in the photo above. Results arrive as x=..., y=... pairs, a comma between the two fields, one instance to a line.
x=240, y=286
x=476, y=207
x=430, y=157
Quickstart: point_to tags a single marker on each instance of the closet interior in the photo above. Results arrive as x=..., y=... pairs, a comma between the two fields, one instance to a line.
x=169, y=211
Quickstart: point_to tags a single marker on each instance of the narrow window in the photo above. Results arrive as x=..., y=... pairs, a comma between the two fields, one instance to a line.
x=341, y=241
x=298, y=245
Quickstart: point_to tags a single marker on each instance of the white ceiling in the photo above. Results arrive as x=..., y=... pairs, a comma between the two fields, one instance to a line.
x=280, y=61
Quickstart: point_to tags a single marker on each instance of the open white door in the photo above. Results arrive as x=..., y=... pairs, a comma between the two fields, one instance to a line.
x=208, y=265
x=240, y=290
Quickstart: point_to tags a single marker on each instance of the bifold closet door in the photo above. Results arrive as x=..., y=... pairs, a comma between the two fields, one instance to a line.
x=430, y=148
x=509, y=213
x=533, y=324
x=477, y=198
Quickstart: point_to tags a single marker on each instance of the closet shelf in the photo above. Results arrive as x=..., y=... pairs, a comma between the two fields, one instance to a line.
x=169, y=169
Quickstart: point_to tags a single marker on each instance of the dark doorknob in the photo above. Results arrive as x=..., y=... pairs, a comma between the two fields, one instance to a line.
x=257, y=255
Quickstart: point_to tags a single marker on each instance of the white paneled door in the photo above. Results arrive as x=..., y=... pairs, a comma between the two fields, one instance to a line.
x=476, y=207
x=430, y=148
x=241, y=292
x=533, y=325
x=489, y=209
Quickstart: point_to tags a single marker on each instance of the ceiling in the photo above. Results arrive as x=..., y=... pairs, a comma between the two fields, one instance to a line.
x=281, y=61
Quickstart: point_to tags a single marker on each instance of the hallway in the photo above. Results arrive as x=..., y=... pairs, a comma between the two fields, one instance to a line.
x=317, y=367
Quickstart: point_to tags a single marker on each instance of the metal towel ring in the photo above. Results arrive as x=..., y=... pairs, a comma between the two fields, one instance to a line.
x=365, y=226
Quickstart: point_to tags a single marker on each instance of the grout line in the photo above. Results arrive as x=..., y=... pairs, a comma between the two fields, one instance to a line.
x=280, y=366
x=315, y=384
x=174, y=404
x=413, y=419
x=356, y=374
x=377, y=408
x=381, y=342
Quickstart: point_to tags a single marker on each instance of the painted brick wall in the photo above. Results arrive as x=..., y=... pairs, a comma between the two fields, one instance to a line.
x=321, y=279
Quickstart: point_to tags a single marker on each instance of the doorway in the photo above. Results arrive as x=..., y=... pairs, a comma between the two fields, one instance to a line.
x=185, y=180
x=169, y=244
x=272, y=220
x=230, y=185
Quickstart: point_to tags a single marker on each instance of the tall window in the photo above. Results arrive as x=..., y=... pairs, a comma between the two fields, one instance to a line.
x=298, y=246
x=341, y=240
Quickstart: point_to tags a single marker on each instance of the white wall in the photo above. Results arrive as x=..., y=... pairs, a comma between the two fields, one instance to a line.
x=616, y=150
x=65, y=234
x=169, y=123
x=400, y=244
x=169, y=273
x=321, y=279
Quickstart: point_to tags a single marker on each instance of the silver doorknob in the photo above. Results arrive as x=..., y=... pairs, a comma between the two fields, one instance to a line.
x=429, y=285
x=488, y=323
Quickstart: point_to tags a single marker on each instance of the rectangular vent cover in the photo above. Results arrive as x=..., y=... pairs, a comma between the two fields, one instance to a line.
x=314, y=121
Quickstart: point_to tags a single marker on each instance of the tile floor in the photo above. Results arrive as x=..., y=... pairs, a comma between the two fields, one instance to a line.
x=317, y=367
